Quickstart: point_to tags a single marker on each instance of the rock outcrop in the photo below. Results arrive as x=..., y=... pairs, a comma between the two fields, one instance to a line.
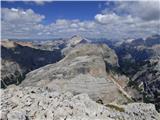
x=11, y=73
x=83, y=70
x=75, y=40
x=72, y=42
x=33, y=103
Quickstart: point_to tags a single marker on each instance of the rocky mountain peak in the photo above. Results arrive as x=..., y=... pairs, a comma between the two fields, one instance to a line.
x=76, y=36
x=76, y=39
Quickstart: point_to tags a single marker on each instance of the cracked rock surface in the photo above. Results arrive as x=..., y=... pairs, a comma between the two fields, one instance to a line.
x=35, y=103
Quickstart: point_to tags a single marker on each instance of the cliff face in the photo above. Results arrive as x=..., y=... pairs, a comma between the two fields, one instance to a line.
x=147, y=79
x=11, y=73
x=132, y=53
x=27, y=56
x=21, y=58
x=139, y=59
x=82, y=70
x=33, y=103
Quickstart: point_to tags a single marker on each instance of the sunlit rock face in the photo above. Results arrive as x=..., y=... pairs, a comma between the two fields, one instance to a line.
x=82, y=70
x=72, y=42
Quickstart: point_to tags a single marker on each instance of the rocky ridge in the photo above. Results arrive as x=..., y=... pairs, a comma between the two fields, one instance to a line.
x=34, y=103
x=72, y=42
x=82, y=70
x=76, y=39
x=32, y=55
x=87, y=73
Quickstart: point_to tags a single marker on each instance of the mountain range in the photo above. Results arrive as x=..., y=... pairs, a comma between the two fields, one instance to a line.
x=109, y=73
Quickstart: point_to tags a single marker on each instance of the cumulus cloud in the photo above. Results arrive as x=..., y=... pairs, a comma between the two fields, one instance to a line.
x=145, y=9
x=18, y=23
x=127, y=20
x=106, y=18
x=119, y=27
x=17, y=15
x=130, y=19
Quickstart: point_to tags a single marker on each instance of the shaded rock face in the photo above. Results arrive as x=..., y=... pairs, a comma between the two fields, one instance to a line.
x=24, y=59
x=50, y=45
x=139, y=49
x=139, y=59
x=29, y=56
x=33, y=103
x=11, y=73
x=148, y=78
x=153, y=40
x=83, y=70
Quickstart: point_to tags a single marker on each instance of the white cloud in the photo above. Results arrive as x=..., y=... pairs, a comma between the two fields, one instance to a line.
x=144, y=9
x=130, y=19
x=17, y=16
x=113, y=18
x=41, y=2
x=106, y=18
x=18, y=23
x=61, y=22
x=118, y=27
x=38, y=2
x=74, y=25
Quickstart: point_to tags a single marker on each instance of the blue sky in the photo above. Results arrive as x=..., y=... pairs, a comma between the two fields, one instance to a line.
x=82, y=10
x=93, y=19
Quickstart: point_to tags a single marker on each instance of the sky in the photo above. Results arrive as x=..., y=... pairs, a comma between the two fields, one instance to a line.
x=115, y=20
